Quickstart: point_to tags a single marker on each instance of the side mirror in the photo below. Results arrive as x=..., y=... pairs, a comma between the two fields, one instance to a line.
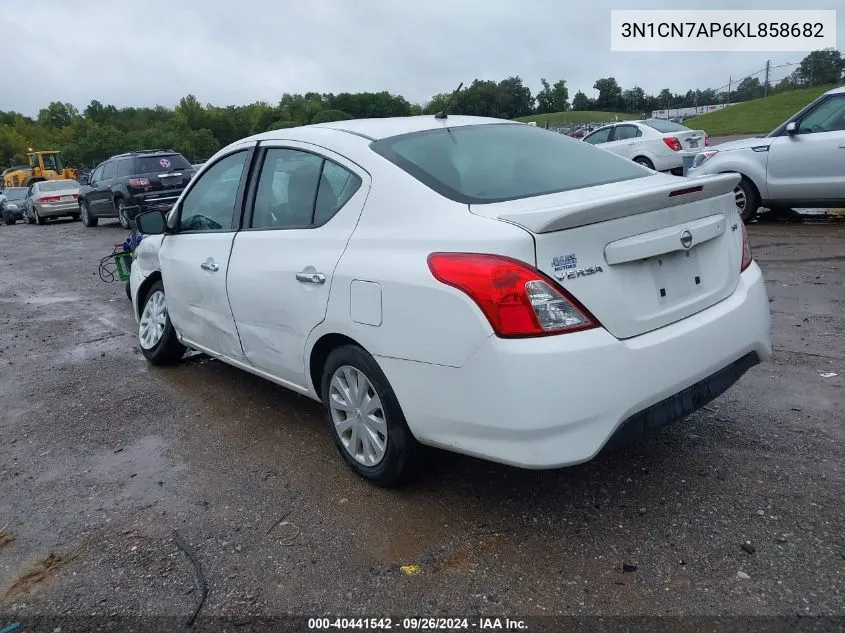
x=151, y=223
x=84, y=180
x=792, y=128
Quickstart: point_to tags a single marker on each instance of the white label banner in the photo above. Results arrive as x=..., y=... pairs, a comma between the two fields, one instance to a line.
x=722, y=30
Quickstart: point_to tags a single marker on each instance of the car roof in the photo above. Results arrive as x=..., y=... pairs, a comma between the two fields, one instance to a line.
x=375, y=129
x=836, y=91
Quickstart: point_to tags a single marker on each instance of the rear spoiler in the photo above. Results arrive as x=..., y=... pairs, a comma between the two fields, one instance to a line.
x=591, y=211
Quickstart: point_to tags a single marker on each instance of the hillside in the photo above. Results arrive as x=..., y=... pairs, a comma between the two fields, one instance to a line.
x=557, y=119
x=756, y=116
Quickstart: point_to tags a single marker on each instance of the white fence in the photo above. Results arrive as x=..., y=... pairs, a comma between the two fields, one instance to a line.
x=678, y=112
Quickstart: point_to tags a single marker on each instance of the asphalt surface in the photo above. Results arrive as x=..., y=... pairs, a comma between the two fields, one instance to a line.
x=102, y=457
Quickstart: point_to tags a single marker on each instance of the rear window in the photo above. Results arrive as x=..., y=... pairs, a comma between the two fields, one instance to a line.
x=160, y=163
x=478, y=164
x=662, y=125
x=14, y=193
x=58, y=185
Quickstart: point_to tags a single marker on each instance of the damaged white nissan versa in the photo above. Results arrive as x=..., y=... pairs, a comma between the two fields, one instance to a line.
x=478, y=285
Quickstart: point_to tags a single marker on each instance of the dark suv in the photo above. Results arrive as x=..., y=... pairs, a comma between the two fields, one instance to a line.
x=127, y=184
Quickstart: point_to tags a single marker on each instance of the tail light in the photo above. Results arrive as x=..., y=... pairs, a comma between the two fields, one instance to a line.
x=706, y=141
x=48, y=199
x=517, y=299
x=139, y=183
x=672, y=143
x=746, y=249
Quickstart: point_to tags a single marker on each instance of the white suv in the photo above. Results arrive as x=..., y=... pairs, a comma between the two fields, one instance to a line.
x=798, y=165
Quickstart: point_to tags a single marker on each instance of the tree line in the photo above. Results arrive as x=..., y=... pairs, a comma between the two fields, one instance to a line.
x=198, y=131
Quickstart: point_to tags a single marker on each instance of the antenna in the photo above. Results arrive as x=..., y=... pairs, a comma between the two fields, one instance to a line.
x=442, y=113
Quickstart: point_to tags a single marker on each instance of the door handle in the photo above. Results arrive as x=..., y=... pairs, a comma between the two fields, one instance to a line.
x=210, y=266
x=311, y=278
x=842, y=146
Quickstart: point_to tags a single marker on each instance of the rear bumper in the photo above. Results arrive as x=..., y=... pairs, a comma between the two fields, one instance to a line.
x=156, y=201
x=557, y=401
x=57, y=209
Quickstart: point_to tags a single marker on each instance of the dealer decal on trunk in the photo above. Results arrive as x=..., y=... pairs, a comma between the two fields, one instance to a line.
x=566, y=267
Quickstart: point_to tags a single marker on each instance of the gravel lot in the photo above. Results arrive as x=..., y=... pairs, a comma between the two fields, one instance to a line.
x=103, y=457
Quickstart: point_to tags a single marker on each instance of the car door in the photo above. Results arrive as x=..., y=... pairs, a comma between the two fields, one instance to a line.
x=302, y=210
x=809, y=165
x=194, y=256
x=624, y=141
x=98, y=196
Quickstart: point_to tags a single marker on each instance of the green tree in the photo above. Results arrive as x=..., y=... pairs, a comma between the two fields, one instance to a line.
x=820, y=67
x=544, y=98
x=560, y=96
x=747, y=89
x=326, y=116
x=580, y=101
x=610, y=94
x=58, y=114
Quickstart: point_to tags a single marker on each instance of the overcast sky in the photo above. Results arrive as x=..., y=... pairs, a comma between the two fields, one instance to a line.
x=148, y=52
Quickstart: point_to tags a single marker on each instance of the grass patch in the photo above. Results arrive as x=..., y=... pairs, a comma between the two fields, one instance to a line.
x=755, y=116
x=557, y=119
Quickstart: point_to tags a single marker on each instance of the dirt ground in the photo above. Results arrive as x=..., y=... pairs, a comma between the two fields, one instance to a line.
x=102, y=458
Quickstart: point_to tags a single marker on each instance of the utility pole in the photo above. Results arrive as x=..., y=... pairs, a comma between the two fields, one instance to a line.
x=730, y=81
x=766, y=85
x=811, y=70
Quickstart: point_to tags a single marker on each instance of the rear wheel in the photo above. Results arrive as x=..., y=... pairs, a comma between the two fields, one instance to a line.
x=365, y=419
x=747, y=200
x=87, y=219
x=121, y=214
x=645, y=162
x=8, y=219
x=35, y=217
x=158, y=340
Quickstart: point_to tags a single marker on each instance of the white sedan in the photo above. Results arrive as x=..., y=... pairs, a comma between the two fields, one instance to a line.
x=653, y=143
x=477, y=285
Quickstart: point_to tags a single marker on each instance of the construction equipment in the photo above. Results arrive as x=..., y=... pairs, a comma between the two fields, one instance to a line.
x=43, y=165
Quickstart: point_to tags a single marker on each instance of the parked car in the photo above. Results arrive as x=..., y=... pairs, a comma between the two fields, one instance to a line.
x=653, y=143
x=50, y=199
x=11, y=204
x=129, y=183
x=799, y=164
x=467, y=283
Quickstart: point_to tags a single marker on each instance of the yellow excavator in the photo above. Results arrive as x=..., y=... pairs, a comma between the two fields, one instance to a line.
x=43, y=165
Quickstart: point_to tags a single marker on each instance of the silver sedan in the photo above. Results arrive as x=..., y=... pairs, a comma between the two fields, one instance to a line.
x=51, y=199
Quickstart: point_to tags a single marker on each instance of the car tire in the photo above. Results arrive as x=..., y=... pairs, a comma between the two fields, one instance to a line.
x=8, y=219
x=121, y=214
x=747, y=200
x=74, y=217
x=35, y=217
x=398, y=456
x=156, y=336
x=85, y=213
x=128, y=291
x=645, y=162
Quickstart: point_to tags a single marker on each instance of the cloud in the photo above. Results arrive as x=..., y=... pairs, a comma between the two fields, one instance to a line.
x=234, y=52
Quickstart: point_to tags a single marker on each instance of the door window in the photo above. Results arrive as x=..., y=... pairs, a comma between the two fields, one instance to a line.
x=287, y=189
x=828, y=117
x=337, y=186
x=599, y=136
x=210, y=204
x=624, y=132
x=97, y=176
x=109, y=170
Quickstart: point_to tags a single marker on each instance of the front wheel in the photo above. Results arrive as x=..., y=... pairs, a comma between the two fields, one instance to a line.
x=747, y=200
x=365, y=419
x=158, y=340
x=8, y=219
x=85, y=213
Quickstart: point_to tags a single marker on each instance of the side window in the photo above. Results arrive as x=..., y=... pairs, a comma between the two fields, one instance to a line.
x=337, y=186
x=97, y=176
x=124, y=168
x=827, y=117
x=108, y=170
x=624, y=132
x=599, y=136
x=287, y=190
x=210, y=204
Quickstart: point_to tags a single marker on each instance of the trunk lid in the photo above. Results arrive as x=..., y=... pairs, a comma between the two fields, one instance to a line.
x=638, y=254
x=690, y=140
x=165, y=172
